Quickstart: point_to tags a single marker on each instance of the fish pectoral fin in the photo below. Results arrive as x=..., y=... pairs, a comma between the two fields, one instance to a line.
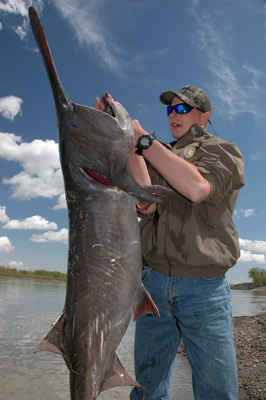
x=120, y=377
x=160, y=192
x=124, y=180
x=145, y=305
x=157, y=191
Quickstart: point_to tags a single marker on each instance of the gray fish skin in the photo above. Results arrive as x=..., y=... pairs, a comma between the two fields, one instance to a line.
x=104, y=286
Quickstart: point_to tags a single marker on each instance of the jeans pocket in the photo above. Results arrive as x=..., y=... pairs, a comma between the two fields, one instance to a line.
x=145, y=272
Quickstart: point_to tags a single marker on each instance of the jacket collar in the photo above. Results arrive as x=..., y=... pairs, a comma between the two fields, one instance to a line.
x=196, y=134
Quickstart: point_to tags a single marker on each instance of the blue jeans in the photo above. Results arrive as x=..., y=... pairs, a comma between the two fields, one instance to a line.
x=199, y=311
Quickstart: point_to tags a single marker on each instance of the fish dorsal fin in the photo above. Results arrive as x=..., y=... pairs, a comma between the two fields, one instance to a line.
x=145, y=305
x=119, y=378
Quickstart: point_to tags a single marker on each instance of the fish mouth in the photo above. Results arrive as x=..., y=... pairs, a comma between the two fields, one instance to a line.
x=95, y=176
x=109, y=104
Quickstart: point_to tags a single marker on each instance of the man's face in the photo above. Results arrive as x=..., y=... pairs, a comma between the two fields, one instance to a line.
x=181, y=123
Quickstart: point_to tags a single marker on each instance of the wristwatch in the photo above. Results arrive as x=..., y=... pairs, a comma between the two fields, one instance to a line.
x=144, y=142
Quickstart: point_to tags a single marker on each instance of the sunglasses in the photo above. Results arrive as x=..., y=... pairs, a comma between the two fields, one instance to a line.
x=181, y=108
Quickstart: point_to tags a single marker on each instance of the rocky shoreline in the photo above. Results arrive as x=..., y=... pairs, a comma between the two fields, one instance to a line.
x=250, y=344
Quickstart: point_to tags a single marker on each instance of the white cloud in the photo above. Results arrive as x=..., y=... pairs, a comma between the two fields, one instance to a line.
x=61, y=202
x=20, y=8
x=252, y=251
x=3, y=217
x=41, y=174
x=21, y=31
x=10, y=106
x=15, y=7
x=246, y=213
x=259, y=155
x=50, y=236
x=249, y=212
x=1, y=26
x=257, y=246
x=17, y=264
x=34, y=222
x=5, y=245
x=247, y=257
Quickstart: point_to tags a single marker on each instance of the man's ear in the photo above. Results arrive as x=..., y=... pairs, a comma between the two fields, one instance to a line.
x=205, y=118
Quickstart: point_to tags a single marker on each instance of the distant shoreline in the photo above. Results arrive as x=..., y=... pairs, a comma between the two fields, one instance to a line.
x=239, y=286
x=35, y=278
x=248, y=286
x=39, y=274
x=242, y=286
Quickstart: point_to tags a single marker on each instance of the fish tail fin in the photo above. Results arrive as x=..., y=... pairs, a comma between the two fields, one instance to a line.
x=145, y=305
x=120, y=377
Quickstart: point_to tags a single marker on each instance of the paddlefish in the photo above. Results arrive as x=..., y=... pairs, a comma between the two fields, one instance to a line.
x=104, y=288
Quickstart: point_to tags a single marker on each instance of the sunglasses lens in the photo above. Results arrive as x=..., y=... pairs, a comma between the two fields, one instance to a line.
x=169, y=110
x=179, y=109
x=184, y=108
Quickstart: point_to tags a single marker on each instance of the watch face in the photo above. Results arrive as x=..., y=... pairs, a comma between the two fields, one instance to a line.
x=145, y=141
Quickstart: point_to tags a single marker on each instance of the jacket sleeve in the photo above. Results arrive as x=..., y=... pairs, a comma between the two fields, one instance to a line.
x=222, y=165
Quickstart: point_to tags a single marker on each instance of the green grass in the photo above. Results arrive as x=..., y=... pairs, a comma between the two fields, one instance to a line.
x=39, y=273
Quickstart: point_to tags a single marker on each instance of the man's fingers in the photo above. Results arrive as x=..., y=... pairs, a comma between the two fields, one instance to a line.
x=98, y=104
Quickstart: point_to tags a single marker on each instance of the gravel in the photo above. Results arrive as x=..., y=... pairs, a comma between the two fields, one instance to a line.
x=250, y=344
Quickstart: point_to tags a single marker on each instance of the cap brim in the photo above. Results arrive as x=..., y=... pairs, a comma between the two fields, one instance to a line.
x=167, y=97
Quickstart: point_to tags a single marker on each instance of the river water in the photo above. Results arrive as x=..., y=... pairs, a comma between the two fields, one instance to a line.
x=27, y=309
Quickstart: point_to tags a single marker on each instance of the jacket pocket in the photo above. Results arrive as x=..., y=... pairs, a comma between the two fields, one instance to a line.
x=208, y=215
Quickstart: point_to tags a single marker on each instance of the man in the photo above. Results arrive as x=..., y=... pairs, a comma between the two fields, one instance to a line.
x=188, y=243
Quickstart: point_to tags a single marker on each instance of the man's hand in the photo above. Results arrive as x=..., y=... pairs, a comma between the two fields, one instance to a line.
x=98, y=104
x=138, y=130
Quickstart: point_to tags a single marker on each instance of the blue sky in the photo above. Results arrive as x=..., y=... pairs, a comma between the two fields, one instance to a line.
x=134, y=50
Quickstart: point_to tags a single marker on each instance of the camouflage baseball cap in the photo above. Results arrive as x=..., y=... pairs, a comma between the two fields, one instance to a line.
x=191, y=95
